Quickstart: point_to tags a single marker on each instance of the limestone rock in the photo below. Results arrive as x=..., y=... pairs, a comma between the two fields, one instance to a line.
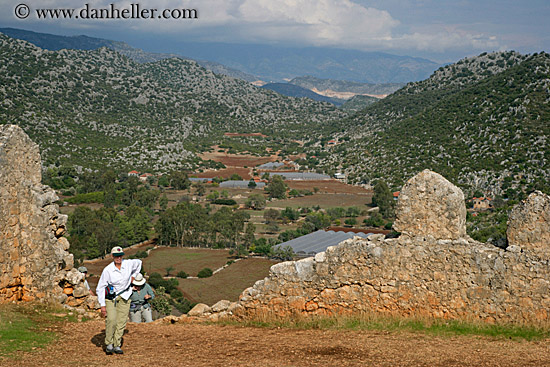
x=80, y=291
x=529, y=224
x=222, y=305
x=430, y=206
x=200, y=309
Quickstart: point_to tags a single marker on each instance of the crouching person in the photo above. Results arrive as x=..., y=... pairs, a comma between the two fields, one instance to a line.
x=139, y=306
x=113, y=294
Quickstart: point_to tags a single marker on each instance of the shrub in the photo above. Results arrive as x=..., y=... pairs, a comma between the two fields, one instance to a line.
x=205, y=273
x=224, y=202
x=182, y=274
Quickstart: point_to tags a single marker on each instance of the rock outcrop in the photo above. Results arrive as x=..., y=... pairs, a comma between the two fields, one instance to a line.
x=34, y=261
x=433, y=270
x=529, y=224
x=431, y=206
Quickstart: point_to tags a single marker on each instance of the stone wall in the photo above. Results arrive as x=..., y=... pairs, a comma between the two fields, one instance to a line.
x=433, y=269
x=34, y=261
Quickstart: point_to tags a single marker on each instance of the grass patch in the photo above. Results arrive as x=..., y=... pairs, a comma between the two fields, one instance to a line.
x=401, y=324
x=27, y=327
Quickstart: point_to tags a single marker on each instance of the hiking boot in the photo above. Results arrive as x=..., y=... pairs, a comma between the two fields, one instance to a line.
x=109, y=349
x=117, y=350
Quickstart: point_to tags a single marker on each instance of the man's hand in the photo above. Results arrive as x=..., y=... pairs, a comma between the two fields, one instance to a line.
x=147, y=296
x=103, y=311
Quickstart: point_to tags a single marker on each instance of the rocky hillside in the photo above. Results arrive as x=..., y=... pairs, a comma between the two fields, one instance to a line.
x=54, y=42
x=483, y=122
x=99, y=108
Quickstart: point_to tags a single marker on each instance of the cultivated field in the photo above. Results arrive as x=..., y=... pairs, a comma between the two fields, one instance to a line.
x=329, y=186
x=324, y=201
x=227, y=284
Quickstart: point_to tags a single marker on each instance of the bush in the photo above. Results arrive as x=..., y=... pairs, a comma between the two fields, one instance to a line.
x=183, y=305
x=156, y=281
x=139, y=255
x=224, y=202
x=205, y=273
x=182, y=274
x=176, y=293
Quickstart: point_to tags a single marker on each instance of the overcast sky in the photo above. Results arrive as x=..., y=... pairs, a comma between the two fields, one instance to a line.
x=441, y=30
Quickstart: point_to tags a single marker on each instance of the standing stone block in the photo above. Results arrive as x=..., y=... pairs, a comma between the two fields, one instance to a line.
x=431, y=206
x=31, y=253
x=529, y=224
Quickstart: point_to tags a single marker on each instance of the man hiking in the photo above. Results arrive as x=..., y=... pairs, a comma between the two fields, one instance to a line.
x=113, y=294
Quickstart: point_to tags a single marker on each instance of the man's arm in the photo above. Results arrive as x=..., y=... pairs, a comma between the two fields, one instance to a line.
x=100, y=291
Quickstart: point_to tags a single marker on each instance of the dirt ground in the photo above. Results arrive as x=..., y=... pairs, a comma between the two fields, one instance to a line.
x=201, y=345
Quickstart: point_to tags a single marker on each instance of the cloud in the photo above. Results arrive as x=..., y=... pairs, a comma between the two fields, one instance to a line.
x=339, y=23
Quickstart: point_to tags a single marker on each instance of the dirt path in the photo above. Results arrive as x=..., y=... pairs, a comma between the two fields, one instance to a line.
x=201, y=345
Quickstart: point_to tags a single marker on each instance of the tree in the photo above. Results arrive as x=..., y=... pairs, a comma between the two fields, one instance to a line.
x=383, y=198
x=249, y=237
x=164, y=181
x=179, y=180
x=109, y=196
x=271, y=215
x=169, y=270
x=276, y=187
x=252, y=184
x=350, y=221
x=163, y=202
x=290, y=214
x=256, y=201
x=318, y=220
x=201, y=190
x=213, y=195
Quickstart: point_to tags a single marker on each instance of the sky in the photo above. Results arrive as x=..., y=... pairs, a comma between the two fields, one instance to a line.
x=439, y=30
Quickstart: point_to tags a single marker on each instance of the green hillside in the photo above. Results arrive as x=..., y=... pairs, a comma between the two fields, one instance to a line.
x=483, y=123
x=98, y=108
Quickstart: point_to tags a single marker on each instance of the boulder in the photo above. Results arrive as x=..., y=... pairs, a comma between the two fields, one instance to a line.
x=430, y=206
x=200, y=309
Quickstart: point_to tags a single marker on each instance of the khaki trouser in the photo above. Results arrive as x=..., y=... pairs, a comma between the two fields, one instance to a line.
x=116, y=320
x=145, y=313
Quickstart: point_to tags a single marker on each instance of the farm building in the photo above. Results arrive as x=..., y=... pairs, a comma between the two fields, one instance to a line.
x=319, y=241
x=271, y=165
x=301, y=176
x=240, y=184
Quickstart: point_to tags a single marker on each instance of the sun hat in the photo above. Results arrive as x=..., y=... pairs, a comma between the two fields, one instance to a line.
x=117, y=251
x=139, y=280
x=82, y=269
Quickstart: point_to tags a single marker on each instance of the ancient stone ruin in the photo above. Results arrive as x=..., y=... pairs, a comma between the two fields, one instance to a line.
x=34, y=261
x=432, y=270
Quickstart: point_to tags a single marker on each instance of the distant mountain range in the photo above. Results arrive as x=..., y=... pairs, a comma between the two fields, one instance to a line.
x=345, y=89
x=55, y=43
x=353, y=104
x=292, y=90
x=276, y=64
x=268, y=63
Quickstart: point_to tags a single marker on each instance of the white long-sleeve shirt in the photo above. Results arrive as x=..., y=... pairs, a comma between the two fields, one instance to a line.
x=119, y=279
